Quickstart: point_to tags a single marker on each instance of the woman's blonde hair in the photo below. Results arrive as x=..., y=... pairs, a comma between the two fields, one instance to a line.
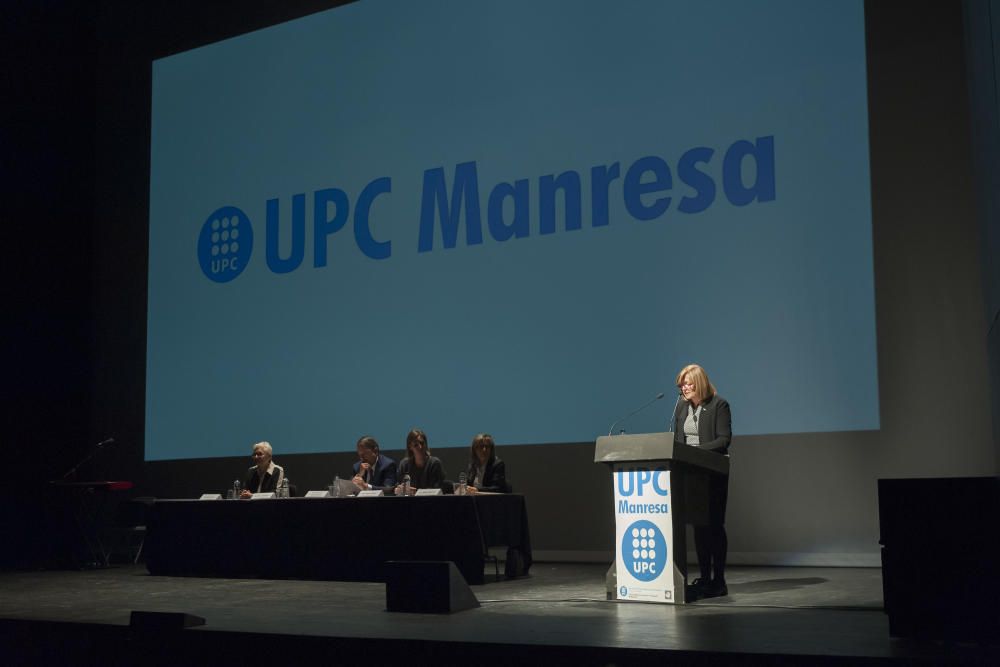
x=697, y=376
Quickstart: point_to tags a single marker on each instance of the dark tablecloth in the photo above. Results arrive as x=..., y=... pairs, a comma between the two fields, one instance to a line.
x=344, y=539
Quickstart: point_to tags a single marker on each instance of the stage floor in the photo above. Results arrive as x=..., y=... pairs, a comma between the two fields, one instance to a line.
x=830, y=612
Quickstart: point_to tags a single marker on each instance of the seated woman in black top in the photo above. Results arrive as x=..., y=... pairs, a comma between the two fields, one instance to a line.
x=486, y=471
x=425, y=471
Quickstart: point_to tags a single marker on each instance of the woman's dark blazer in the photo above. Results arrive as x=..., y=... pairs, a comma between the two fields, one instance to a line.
x=715, y=425
x=494, y=477
x=268, y=484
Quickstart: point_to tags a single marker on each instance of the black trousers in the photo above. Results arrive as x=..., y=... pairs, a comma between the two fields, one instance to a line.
x=710, y=542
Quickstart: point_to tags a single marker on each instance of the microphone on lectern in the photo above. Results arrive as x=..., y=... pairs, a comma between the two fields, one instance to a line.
x=673, y=414
x=636, y=411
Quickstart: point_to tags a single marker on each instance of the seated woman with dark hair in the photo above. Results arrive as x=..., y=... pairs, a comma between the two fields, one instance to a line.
x=425, y=471
x=486, y=471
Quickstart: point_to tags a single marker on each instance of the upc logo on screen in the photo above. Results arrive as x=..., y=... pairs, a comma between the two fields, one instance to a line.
x=225, y=244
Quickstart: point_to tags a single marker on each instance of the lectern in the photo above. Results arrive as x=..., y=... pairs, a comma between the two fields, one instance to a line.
x=660, y=486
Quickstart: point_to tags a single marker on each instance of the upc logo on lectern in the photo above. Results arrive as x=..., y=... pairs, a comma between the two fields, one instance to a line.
x=644, y=550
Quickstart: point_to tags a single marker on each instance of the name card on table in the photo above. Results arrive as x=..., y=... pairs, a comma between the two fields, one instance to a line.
x=371, y=493
x=318, y=494
x=211, y=496
x=428, y=492
x=262, y=496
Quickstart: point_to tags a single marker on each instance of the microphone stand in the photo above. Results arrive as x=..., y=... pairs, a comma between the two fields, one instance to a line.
x=93, y=452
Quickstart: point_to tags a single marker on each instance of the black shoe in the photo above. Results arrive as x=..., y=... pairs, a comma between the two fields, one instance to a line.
x=716, y=589
x=701, y=583
x=696, y=590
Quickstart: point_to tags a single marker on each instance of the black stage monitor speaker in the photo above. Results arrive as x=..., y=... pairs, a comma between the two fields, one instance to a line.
x=426, y=587
x=940, y=549
x=164, y=620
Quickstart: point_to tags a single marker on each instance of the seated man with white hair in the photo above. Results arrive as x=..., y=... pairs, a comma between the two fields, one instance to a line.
x=265, y=476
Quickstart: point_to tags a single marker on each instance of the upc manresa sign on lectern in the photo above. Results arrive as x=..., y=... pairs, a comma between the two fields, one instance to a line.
x=660, y=487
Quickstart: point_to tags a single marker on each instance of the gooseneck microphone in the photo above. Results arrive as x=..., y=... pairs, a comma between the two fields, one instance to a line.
x=636, y=411
x=673, y=413
x=93, y=452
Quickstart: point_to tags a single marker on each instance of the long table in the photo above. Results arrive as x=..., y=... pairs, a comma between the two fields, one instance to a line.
x=343, y=539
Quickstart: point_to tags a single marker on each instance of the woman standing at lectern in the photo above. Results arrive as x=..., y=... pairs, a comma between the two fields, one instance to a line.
x=703, y=420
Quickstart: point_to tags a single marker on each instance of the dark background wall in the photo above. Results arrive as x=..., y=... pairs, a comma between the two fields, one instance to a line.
x=76, y=159
x=47, y=153
x=982, y=27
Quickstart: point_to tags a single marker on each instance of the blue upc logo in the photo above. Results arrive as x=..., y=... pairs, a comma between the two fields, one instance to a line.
x=225, y=244
x=644, y=550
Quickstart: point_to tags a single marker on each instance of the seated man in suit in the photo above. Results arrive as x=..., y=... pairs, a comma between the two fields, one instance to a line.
x=373, y=470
